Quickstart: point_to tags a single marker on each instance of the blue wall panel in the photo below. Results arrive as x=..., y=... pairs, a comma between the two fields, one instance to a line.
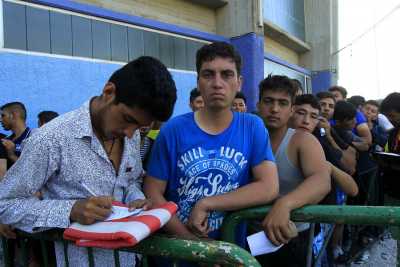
x=60, y=84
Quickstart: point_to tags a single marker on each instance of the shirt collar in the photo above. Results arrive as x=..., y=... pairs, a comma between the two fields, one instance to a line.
x=85, y=128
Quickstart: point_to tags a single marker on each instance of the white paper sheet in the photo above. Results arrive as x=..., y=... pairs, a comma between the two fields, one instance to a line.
x=260, y=244
x=122, y=212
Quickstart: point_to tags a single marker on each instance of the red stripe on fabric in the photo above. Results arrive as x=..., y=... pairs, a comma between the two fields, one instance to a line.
x=126, y=240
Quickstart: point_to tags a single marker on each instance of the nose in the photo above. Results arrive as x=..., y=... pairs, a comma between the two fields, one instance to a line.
x=217, y=81
x=306, y=119
x=275, y=107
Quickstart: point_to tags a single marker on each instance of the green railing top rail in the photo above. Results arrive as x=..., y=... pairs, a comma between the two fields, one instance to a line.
x=210, y=251
x=366, y=215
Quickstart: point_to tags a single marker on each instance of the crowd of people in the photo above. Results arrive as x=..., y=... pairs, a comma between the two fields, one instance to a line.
x=295, y=149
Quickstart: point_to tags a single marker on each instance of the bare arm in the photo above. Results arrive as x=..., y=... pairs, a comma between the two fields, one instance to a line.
x=364, y=133
x=344, y=181
x=154, y=189
x=313, y=189
x=263, y=189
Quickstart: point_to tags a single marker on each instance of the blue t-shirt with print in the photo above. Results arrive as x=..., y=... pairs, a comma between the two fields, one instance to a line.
x=196, y=164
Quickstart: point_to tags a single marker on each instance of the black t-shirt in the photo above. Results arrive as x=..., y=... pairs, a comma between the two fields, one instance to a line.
x=17, y=143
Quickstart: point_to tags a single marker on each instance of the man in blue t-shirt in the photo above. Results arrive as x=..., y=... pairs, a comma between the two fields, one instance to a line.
x=213, y=160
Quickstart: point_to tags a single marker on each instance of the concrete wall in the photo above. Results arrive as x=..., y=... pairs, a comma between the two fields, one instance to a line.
x=281, y=51
x=321, y=20
x=62, y=84
x=176, y=12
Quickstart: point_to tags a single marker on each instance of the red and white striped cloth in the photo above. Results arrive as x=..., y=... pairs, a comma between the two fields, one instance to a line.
x=123, y=232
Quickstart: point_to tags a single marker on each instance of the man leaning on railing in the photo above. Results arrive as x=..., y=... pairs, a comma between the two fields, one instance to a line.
x=83, y=160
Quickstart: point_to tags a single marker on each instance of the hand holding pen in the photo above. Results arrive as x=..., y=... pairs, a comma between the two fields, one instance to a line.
x=95, y=208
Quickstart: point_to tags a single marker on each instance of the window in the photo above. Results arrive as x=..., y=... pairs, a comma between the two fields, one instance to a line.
x=41, y=30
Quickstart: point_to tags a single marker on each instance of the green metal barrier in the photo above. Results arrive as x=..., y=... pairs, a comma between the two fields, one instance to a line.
x=363, y=215
x=209, y=252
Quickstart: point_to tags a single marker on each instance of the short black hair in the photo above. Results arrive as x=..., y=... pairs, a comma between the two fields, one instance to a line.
x=298, y=85
x=356, y=100
x=391, y=103
x=307, y=99
x=146, y=83
x=241, y=96
x=372, y=102
x=211, y=51
x=47, y=115
x=15, y=106
x=279, y=83
x=340, y=89
x=325, y=94
x=194, y=94
x=344, y=111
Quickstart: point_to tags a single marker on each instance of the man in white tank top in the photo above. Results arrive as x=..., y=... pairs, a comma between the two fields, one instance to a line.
x=304, y=177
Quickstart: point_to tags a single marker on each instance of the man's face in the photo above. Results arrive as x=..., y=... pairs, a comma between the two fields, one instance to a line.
x=275, y=108
x=347, y=124
x=6, y=119
x=119, y=120
x=304, y=117
x=327, y=107
x=338, y=96
x=197, y=103
x=239, y=105
x=370, y=112
x=394, y=117
x=218, y=82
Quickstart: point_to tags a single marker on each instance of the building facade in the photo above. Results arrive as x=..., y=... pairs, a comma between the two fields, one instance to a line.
x=55, y=54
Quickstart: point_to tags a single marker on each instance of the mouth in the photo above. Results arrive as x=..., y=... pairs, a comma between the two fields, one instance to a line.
x=303, y=128
x=273, y=119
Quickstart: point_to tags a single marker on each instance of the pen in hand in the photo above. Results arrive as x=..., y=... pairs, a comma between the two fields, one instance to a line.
x=91, y=192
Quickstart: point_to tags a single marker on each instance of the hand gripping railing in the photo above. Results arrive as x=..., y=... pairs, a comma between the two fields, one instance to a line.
x=214, y=252
x=358, y=215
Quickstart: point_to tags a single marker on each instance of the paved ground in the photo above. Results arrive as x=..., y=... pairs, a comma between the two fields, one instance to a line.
x=382, y=254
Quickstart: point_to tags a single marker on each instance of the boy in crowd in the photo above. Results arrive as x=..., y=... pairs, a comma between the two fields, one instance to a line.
x=301, y=181
x=13, y=118
x=370, y=110
x=361, y=128
x=239, y=102
x=46, y=116
x=203, y=160
x=196, y=100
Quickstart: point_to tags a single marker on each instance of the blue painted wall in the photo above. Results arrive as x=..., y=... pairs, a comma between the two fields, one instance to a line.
x=63, y=84
x=321, y=81
x=251, y=48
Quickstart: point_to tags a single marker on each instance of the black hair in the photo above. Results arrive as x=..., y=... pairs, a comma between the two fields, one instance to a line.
x=15, y=106
x=146, y=83
x=340, y=89
x=46, y=116
x=307, y=99
x=194, y=94
x=356, y=100
x=391, y=103
x=218, y=49
x=344, y=111
x=372, y=102
x=325, y=94
x=298, y=85
x=277, y=83
x=241, y=96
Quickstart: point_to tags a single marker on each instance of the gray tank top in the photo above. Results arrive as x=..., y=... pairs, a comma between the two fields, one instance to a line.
x=289, y=175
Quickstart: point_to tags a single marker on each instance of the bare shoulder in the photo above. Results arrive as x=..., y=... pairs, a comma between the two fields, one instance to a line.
x=304, y=139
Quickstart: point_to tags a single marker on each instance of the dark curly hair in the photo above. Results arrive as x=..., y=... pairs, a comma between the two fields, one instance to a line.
x=218, y=49
x=278, y=83
x=391, y=103
x=146, y=83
